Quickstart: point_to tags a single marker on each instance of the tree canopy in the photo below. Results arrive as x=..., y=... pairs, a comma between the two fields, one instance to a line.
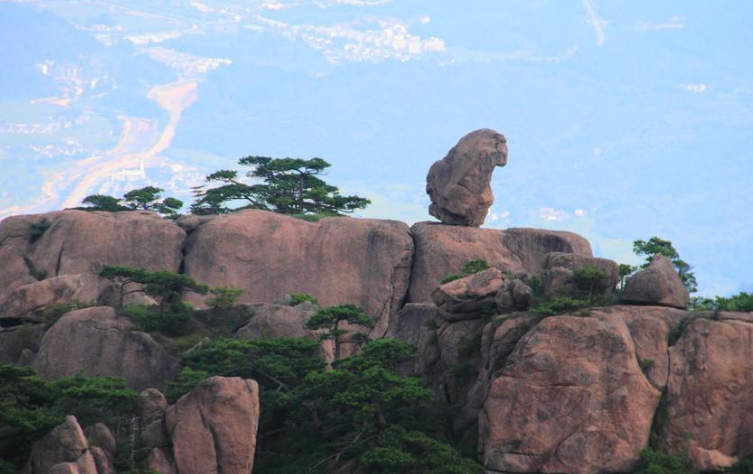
x=146, y=199
x=659, y=246
x=333, y=317
x=30, y=407
x=317, y=419
x=164, y=284
x=283, y=185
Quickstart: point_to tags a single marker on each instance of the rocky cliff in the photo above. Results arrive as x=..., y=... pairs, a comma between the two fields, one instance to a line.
x=535, y=379
x=573, y=393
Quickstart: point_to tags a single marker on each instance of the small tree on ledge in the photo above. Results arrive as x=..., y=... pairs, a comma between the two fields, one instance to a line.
x=168, y=286
x=283, y=185
x=146, y=199
x=330, y=319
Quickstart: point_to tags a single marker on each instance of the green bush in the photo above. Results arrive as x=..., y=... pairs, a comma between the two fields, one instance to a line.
x=647, y=364
x=559, y=305
x=31, y=407
x=450, y=278
x=174, y=321
x=537, y=286
x=187, y=380
x=475, y=266
x=743, y=466
x=38, y=229
x=399, y=451
x=298, y=298
x=317, y=419
x=740, y=302
x=223, y=297
x=463, y=371
x=657, y=462
x=51, y=315
x=470, y=345
x=590, y=280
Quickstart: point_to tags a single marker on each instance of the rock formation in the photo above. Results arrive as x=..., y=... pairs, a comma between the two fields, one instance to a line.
x=709, y=402
x=337, y=260
x=28, y=302
x=467, y=297
x=658, y=284
x=212, y=428
x=442, y=250
x=560, y=269
x=275, y=321
x=570, y=398
x=94, y=341
x=574, y=393
x=459, y=183
x=65, y=449
x=38, y=247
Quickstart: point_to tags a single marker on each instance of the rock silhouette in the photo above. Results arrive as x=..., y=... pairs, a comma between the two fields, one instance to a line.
x=459, y=184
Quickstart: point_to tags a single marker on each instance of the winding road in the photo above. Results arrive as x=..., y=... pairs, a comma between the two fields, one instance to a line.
x=140, y=140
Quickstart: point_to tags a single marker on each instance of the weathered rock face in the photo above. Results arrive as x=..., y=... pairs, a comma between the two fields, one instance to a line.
x=442, y=250
x=658, y=284
x=29, y=301
x=213, y=427
x=151, y=409
x=459, y=184
x=337, y=260
x=95, y=342
x=36, y=247
x=571, y=398
x=273, y=320
x=532, y=245
x=652, y=328
x=559, y=272
x=709, y=402
x=158, y=461
x=408, y=324
x=66, y=443
x=467, y=297
x=514, y=295
x=15, y=341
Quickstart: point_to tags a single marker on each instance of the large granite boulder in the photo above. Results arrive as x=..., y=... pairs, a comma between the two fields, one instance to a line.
x=468, y=297
x=532, y=245
x=37, y=247
x=66, y=443
x=571, y=398
x=213, y=427
x=514, y=295
x=29, y=302
x=158, y=461
x=151, y=408
x=338, y=260
x=459, y=184
x=20, y=340
x=442, y=250
x=95, y=342
x=658, y=284
x=560, y=273
x=709, y=406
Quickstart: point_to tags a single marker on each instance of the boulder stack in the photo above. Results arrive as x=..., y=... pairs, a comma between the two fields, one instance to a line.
x=459, y=183
x=658, y=284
